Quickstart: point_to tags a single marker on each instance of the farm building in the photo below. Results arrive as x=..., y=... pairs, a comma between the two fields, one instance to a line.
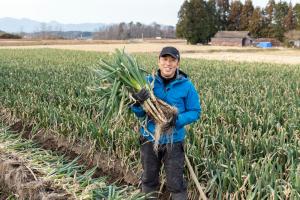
x=232, y=38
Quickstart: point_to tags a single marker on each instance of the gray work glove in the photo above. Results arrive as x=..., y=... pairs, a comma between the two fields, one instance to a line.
x=141, y=96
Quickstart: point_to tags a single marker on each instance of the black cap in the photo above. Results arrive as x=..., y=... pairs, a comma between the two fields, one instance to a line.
x=172, y=51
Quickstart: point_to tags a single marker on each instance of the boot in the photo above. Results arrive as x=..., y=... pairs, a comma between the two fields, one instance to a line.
x=152, y=193
x=179, y=196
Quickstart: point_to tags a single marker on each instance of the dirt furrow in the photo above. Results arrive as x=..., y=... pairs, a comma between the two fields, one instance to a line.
x=17, y=177
x=106, y=165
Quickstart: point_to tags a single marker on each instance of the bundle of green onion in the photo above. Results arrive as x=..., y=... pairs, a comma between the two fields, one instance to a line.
x=119, y=79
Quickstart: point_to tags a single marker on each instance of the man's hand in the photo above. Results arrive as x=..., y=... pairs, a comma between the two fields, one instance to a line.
x=141, y=96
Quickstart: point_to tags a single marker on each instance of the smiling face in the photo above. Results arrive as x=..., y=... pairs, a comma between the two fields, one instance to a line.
x=168, y=65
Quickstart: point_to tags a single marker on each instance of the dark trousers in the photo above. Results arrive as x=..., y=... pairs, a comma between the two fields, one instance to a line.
x=172, y=155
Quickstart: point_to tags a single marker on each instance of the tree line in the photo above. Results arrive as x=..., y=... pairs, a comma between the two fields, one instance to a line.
x=123, y=31
x=4, y=35
x=199, y=20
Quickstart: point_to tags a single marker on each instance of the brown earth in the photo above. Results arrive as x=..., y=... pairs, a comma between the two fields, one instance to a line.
x=85, y=150
x=110, y=167
x=26, y=183
x=6, y=195
x=30, y=42
x=278, y=55
x=105, y=165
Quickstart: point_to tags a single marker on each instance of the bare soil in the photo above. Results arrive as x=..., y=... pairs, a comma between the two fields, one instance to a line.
x=278, y=55
x=111, y=167
x=106, y=166
x=88, y=157
x=26, y=183
x=31, y=42
x=6, y=195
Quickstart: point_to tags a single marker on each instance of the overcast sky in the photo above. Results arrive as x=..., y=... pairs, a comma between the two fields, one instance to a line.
x=104, y=11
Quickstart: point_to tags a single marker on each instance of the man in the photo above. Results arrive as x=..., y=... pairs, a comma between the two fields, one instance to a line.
x=172, y=86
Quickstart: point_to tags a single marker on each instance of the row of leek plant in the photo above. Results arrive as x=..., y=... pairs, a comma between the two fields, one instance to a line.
x=75, y=178
x=249, y=127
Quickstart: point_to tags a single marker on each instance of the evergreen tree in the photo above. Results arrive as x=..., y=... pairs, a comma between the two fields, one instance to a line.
x=213, y=18
x=281, y=11
x=194, y=24
x=255, y=24
x=223, y=13
x=289, y=21
x=246, y=15
x=182, y=19
x=234, y=17
x=270, y=8
x=268, y=20
x=199, y=20
x=297, y=15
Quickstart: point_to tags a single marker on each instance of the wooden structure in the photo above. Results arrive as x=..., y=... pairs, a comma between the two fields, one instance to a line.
x=232, y=38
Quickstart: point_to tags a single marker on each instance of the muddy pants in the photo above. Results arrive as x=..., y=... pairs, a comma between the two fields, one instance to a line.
x=172, y=155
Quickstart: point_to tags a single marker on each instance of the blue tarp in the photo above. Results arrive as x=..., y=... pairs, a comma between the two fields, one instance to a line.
x=264, y=44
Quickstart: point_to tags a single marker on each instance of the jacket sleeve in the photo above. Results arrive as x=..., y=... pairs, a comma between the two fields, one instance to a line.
x=138, y=110
x=192, y=109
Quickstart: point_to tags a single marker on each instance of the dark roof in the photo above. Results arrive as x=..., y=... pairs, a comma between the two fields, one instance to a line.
x=232, y=34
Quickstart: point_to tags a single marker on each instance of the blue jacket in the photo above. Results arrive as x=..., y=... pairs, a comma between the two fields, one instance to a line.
x=180, y=93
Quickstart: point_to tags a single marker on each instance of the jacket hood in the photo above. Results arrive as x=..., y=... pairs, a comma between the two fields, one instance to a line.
x=180, y=73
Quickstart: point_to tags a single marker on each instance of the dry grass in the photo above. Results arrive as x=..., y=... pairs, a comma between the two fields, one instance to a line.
x=247, y=54
x=282, y=56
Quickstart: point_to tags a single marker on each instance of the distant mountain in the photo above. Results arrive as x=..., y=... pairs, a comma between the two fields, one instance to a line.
x=13, y=25
x=60, y=35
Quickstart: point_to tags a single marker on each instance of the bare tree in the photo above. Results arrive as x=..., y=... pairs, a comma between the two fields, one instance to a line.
x=124, y=31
